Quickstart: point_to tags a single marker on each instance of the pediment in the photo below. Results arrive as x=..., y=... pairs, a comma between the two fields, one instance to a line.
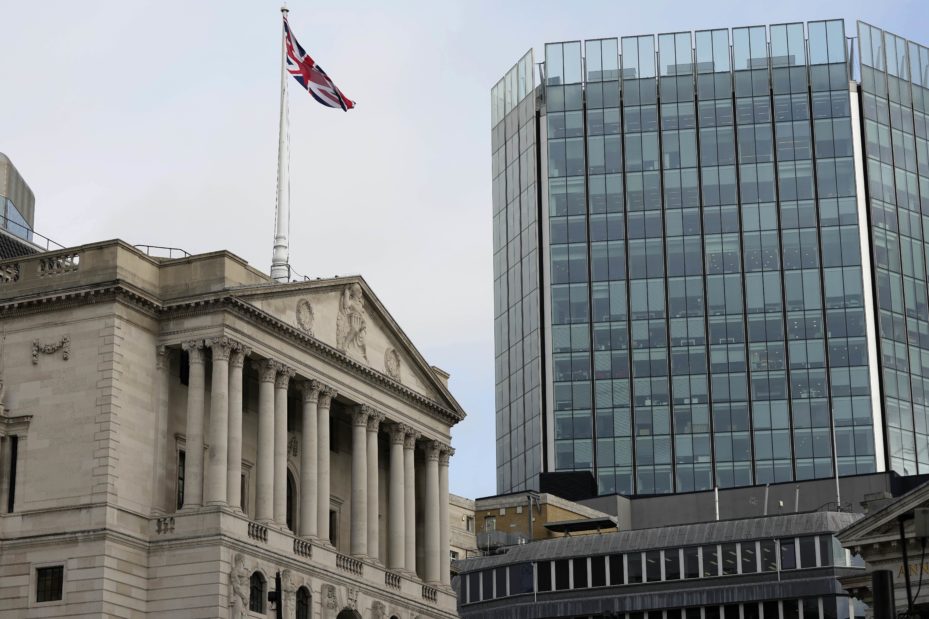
x=344, y=314
x=886, y=520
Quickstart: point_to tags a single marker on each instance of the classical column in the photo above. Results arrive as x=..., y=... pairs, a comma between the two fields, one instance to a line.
x=396, y=552
x=444, y=542
x=218, y=463
x=359, y=546
x=264, y=487
x=193, y=463
x=309, y=457
x=431, y=511
x=160, y=487
x=234, y=454
x=409, y=496
x=280, y=445
x=323, y=500
x=374, y=422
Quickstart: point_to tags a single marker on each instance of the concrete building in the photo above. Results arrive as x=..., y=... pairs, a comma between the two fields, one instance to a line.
x=523, y=517
x=17, y=216
x=709, y=258
x=176, y=432
x=462, y=528
x=744, y=553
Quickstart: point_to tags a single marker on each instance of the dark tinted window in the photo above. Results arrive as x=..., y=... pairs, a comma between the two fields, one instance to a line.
x=672, y=564
x=487, y=581
x=770, y=610
x=807, y=551
x=598, y=571
x=825, y=550
x=810, y=608
x=730, y=559
x=710, y=562
x=750, y=610
x=49, y=583
x=791, y=609
x=653, y=565
x=580, y=573
x=749, y=558
x=500, y=578
x=691, y=563
x=731, y=611
x=711, y=612
x=634, y=565
x=768, y=555
x=561, y=573
x=616, y=570
x=544, y=575
x=474, y=587
x=788, y=555
x=520, y=578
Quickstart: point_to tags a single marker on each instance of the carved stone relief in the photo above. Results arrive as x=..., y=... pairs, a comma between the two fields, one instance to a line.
x=238, y=578
x=378, y=611
x=351, y=324
x=352, y=595
x=293, y=445
x=305, y=316
x=392, y=363
x=329, y=600
x=64, y=345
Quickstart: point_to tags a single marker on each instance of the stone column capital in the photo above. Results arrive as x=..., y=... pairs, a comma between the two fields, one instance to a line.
x=433, y=448
x=310, y=389
x=222, y=347
x=284, y=374
x=161, y=357
x=360, y=414
x=398, y=433
x=411, y=437
x=194, y=349
x=239, y=353
x=445, y=452
x=326, y=393
x=374, y=420
x=267, y=370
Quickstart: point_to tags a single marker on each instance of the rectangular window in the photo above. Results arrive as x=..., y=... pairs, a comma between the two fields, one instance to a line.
x=544, y=575
x=520, y=579
x=749, y=558
x=788, y=555
x=474, y=587
x=672, y=564
x=730, y=560
x=487, y=585
x=580, y=573
x=500, y=582
x=181, y=467
x=617, y=573
x=768, y=555
x=334, y=528
x=469, y=524
x=490, y=523
x=634, y=567
x=710, y=562
x=14, y=456
x=598, y=571
x=562, y=569
x=653, y=565
x=807, y=551
x=691, y=563
x=243, y=493
x=49, y=583
x=750, y=611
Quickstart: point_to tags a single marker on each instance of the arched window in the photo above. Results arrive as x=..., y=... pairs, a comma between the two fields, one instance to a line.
x=256, y=593
x=291, y=494
x=303, y=603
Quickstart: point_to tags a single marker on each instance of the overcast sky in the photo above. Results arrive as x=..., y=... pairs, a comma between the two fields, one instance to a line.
x=157, y=123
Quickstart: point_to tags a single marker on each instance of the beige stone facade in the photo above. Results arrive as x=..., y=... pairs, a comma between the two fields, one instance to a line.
x=176, y=432
x=462, y=526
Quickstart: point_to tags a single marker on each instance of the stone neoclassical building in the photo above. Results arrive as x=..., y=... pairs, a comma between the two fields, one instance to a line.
x=176, y=432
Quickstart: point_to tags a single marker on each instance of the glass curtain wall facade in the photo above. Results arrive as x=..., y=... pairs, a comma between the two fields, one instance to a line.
x=895, y=108
x=710, y=266
x=517, y=296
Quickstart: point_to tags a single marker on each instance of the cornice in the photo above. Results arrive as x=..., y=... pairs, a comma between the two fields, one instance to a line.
x=118, y=290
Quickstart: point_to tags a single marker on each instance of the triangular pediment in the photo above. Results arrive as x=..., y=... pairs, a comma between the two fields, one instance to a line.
x=885, y=520
x=344, y=313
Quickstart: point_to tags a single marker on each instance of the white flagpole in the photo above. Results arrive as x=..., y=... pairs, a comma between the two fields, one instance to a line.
x=280, y=260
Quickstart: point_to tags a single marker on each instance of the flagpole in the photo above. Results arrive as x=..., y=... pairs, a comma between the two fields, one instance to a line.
x=280, y=260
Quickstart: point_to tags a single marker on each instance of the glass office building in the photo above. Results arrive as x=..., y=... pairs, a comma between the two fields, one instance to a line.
x=709, y=258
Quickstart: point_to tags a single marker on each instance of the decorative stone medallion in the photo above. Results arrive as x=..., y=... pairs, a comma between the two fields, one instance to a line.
x=305, y=316
x=392, y=363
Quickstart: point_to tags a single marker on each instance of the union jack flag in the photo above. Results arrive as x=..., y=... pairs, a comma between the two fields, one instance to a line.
x=311, y=76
